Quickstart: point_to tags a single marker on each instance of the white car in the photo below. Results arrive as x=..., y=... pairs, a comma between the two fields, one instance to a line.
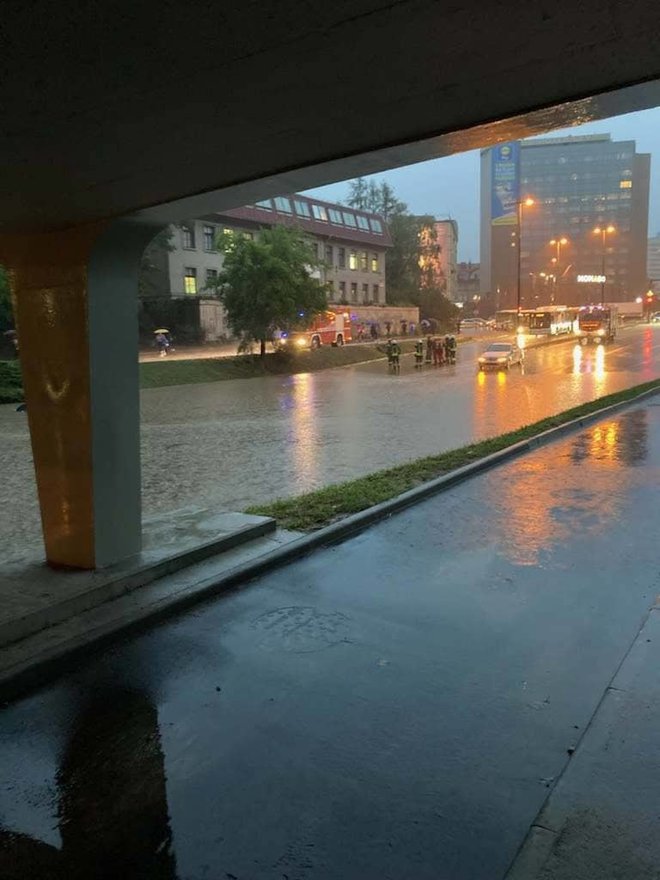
x=500, y=356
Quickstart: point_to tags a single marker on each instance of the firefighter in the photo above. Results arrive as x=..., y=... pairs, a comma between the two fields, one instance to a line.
x=452, y=350
x=438, y=352
x=429, y=349
x=395, y=356
x=419, y=354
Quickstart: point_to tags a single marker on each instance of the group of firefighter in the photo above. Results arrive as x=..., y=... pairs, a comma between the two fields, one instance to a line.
x=439, y=351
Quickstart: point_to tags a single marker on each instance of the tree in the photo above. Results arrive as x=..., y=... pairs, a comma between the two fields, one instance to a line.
x=6, y=311
x=377, y=197
x=152, y=274
x=266, y=284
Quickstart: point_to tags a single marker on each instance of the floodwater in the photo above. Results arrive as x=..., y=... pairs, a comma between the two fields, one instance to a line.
x=226, y=445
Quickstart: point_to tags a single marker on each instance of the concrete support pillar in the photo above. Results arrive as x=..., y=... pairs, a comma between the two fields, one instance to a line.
x=75, y=301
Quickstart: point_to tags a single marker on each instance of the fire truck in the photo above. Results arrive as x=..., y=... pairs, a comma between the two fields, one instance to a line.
x=597, y=324
x=328, y=328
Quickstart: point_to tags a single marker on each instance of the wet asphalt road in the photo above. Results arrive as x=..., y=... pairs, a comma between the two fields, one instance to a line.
x=226, y=445
x=393, y=708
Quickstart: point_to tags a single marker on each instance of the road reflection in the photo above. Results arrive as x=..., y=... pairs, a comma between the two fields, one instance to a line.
x=112, y=811
x=534, y=516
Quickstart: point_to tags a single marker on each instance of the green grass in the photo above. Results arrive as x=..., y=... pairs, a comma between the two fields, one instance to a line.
x=11, y=384
x=314, y=510
x=156, y=374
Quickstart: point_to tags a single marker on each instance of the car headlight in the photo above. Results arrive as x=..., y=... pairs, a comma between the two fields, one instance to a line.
x=501, y=360
x=301, y=341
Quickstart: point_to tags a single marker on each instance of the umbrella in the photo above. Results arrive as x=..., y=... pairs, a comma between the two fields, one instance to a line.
x=162, y=330
x=11, y=333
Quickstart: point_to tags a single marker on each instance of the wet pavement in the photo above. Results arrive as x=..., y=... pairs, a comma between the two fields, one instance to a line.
x=226, y=445
x=395, y=707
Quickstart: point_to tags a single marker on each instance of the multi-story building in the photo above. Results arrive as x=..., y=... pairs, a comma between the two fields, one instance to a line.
x=653, y=262
x=351, y=245
x=587, y=216
x=446, y=234
x=468, y=284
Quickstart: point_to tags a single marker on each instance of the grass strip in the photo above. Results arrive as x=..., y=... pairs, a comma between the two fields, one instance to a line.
x=313, y=510
x=164, y=372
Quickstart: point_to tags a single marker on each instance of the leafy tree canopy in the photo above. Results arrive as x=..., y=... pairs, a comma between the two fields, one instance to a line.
x=266, y=284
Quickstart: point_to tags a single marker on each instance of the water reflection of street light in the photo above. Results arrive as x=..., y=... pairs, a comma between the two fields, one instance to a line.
x=527, y=202
x=603, y=231
x=559, y=244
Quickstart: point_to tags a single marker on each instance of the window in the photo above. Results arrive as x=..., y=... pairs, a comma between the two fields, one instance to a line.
x=352, y=260
x=374, y=262
x=315, y=249
x=320, y=213
x=209, y=238
x=282, y=204
x=363, y=223
x=365, y=293
x=211, y=277
x=364, y=261
x=376, y=293
x=302, y=208
x=265, y=204
x=625, y=184
x=353, y=291
x=342, y=290
x=341, y=258
x=376, y=226
x=190, y=280
x=188, y=237
x=335, y=216
x=329, y=254
x=349, y=219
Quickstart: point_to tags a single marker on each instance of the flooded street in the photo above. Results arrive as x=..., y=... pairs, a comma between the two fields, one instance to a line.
x=230, y=444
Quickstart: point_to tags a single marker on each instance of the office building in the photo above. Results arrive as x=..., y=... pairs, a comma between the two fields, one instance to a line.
x=653, y=262
x=577, y=184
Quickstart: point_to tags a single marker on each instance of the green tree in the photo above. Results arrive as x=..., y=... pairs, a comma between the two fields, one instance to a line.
x=375, y=196
x=6, y=311
x=152, y=274
x=266, y=283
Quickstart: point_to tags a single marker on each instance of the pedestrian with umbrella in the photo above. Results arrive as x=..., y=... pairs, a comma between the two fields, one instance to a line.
x=162, y=341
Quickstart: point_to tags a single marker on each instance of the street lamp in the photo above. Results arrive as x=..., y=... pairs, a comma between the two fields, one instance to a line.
x=527, y=202
x=603, y=231
x=559, y=244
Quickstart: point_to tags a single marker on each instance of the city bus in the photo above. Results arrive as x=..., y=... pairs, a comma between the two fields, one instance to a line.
x=551, y=320
x=508, y=319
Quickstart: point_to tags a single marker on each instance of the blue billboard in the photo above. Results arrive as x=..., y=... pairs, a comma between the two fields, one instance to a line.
x=505, y=183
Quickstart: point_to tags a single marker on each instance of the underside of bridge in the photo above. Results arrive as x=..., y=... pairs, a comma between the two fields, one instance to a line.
x=120, y=117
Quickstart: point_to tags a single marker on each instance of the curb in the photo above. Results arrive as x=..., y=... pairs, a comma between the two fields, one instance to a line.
x=49, y=662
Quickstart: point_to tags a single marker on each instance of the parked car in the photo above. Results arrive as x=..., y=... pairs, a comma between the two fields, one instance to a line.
x=473, y=324
x=655, y=319
x=500, y=356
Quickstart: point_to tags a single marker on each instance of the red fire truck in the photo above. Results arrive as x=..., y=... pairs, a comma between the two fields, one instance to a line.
x=597, y=323
x=328, y=328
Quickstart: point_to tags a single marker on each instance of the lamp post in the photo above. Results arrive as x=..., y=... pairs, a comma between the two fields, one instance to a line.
x=558, y=243
x=527, y=202
x=603, y=231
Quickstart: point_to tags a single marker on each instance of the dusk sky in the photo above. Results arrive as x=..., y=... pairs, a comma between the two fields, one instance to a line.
x=450, y=187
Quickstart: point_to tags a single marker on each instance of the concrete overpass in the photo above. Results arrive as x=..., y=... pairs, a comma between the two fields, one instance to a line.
x=121, y=117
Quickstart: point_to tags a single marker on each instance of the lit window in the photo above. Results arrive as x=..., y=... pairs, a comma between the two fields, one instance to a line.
x=364, y=261
x=209, y=238
x=328, y=254
x=188, y=237
x=320, y=213
x=335, y=216
x=282, y=204
x=302, y=208
x=352, y=260
x=363, y=223
x=374, y=262
x=349, y=219
x=265, y=204
x=376, y=293
x=211, y=277
x=353, y=291
x=341, y=257
x=625, y=184
x=376, y=226
x=190, y=280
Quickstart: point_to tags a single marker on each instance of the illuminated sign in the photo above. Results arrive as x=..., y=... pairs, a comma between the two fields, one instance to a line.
x=592, y=279
x=505, y=186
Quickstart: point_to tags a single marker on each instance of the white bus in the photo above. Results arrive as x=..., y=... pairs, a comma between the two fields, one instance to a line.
x=552, y=320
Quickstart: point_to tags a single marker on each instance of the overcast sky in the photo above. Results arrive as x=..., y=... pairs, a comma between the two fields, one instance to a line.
x=450, y=187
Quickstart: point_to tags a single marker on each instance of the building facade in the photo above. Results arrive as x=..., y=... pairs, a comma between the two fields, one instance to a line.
x=446, y=232
x=587, y=217
x=653, y=262
x=351, y=245
x=468, y=282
